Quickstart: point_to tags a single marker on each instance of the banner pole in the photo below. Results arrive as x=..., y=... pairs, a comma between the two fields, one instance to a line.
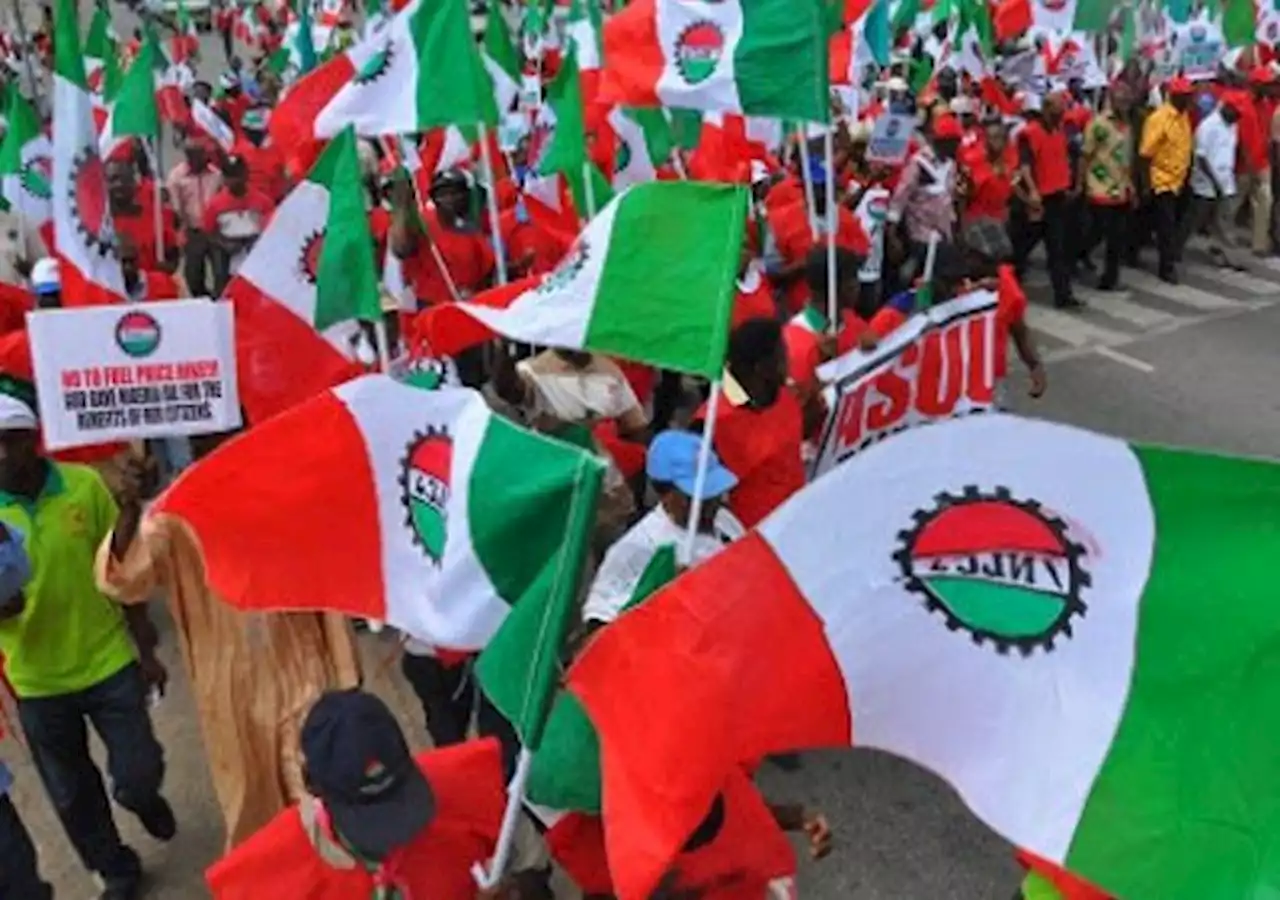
x=833, y=301
x=700, y=478
x=510, y=818
x=486, y=160
x=806, y=177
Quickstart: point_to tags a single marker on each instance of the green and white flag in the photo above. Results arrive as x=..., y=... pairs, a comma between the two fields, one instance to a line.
x=628, y=287
x=501, y=59
x=26, y=165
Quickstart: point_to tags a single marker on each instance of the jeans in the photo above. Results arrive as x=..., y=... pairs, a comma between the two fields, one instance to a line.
x=1052, y=228
x=449, y=695
x=19, y=875
x=55, y=730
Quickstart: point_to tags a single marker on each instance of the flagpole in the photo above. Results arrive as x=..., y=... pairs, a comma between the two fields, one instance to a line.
x=431, y=244
x=510, y=818
x=833, y=301
x=494, y=220
x=588, y=190
x=700, y=478
x=807, y=178
x=156, y=177
x=27, y=51
x=678, y=164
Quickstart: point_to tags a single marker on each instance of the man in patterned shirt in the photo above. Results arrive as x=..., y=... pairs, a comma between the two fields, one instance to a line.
x=1106, y=172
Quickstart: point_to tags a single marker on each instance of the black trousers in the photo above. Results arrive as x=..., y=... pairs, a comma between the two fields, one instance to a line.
x=1164, y=213
x=1052, y=228
x=449, y=697
x=59, y=739
x=198, y=257
x=19, y=873
x=1109, y=225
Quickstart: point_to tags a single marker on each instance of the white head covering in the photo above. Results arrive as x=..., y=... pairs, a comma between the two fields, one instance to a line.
x=16, y=415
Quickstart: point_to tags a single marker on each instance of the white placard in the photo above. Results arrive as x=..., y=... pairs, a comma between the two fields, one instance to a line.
x=890, y=138
x=126, y=372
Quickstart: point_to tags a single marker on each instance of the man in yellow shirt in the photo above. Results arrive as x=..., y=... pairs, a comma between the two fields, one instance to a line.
x=73, y=655
x=1166, y=150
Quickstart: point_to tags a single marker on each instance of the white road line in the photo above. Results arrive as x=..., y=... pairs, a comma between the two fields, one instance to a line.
x=1180, y=293
x=1242, y=280
x=1117, y=305
x=1271, y=262
x=1124, y=359
x=1072, y=328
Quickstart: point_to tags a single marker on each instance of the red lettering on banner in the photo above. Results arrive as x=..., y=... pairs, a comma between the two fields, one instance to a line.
x=894, y=388
x=941, y=377
x=981, y=384
x=70, y=379
x=849, y=423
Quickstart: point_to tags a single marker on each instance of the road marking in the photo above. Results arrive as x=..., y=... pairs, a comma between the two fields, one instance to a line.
x=1180, y=293
x=1071, y=329
x=1124, y=359
x=1242, y=280
x=1271, y=262
x=1117, y=305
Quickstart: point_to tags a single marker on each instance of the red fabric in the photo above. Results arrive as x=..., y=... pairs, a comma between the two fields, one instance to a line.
x=640, y=377
x=1011, y=18
x=279, y=861
x=755, y=304
x=467, y=255
x=992, y=190
x=281, y=360
x=15, y=303
x=266, y=168
x=576, y=843
x=141, y=227
x=1011, y=308
x=1050, y=164
x=234, y=108
x=79, y=291
x=631, y=37
x=255, y=203
x=794, y=236
x=531, y=247
x=161, y=286
x=804, y=347
x=1068, y=885
x=761, y=447
x=628, y=456
x=1253, y=135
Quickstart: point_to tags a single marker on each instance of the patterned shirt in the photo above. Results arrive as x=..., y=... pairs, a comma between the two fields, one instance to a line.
x=1108, y=159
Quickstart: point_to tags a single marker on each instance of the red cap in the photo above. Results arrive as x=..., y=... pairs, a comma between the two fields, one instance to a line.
x=1261, y=75
x=947, y=127
x=1178, y=86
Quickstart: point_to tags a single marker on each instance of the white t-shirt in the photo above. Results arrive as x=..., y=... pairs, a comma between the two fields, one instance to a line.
x=627, y=559
x=1216, y=143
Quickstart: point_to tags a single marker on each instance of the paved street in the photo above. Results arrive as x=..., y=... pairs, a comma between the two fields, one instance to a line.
x=1194, y=365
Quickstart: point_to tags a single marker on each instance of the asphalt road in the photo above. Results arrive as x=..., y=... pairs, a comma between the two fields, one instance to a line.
x=1194, y=367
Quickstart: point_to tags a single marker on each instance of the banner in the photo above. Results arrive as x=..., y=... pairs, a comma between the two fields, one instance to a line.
x=114, y=373
x=890, y=138
x=938, y=364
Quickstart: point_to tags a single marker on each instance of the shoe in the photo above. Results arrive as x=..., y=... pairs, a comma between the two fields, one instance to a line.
x=126, y=884
x=1110, y=286
x=1069, y=303
x=1169, y=277
x=158, y=819
x=122, y=890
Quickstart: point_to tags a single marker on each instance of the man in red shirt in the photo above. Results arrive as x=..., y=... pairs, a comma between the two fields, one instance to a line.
x=759, y=427
x=449, y=225
x=234, y=218
x=1253, y=167
x=1046, y=171
x=266, y=164
x=140, y=284
x=133, y=213
x=987, y=175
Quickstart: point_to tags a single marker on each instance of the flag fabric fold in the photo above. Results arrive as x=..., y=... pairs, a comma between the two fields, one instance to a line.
x=1025, y=615
x=26, y=168
x=628, y=287
x=412, y=488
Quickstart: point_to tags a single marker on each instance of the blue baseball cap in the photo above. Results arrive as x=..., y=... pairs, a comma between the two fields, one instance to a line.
x=15, y=565
x=673, y=458
x=358, y=764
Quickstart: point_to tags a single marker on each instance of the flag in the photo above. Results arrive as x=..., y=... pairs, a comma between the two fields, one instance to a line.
x=628, y=287
x=1095, y=16
x=642, y=144
x=207, y=120
x=304, y=42
x=1025, y=615
x=1011, y=18
x=1239, y=21
x=186, y=42
x=99, y=48
x=84, y=237
x=755, y=57
x=566, y=769
x=421, y=70
x=582, y=27
x=565, y=147
x=304, y=286
x=501, y=59
x=444, y=512
x=26, y=168
x=134, y=111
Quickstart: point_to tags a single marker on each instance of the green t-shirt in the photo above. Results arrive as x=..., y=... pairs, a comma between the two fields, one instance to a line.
x=70, y=636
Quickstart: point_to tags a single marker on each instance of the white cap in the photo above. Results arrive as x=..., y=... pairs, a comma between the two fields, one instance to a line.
x=1032, y=102
x=963, y=106
x=897, y=83
x=16, y=415
x=45, y=276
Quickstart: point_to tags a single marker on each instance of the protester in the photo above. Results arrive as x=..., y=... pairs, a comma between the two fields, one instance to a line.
x=376, y=821
x=73, y=654
x=444, y=254
x=1213, y=183
x=923, y=201
x=142, y=285
x=1166, y=150
x=1106, y=171
x=134, y=216
x=1046, y=173
x=46, y=283
x=234, y=219
x=192, y=184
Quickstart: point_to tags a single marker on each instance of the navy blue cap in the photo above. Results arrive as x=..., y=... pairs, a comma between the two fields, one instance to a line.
x=360, y=767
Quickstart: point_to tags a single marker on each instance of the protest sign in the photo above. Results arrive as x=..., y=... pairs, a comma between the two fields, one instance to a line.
x=890, y=138
x=1200, y=46
x=938, y=364
x=112, y=373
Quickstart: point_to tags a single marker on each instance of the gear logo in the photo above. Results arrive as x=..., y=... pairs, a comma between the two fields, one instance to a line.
x=377, y=65
x=309, y=262
x=425, y=483
x=137, y=334
x=878, y=209
x=567, y=269
x=36, y=177
x=1000, y=568
x=89, y=202
x=698, y=51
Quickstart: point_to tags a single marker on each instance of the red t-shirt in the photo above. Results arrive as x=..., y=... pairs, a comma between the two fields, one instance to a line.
x=992, y=187
x=266, y=168
x=140, y=226
x=159, y=286
x=238, y=217
x=1011, y=308
x=467, y=255
x=1047, y=149
x=762, y=448
x=804, y=351
x=754, y=299
x=279, y=861
x=1253, y=137
x=531, y=243
x=794, y=236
